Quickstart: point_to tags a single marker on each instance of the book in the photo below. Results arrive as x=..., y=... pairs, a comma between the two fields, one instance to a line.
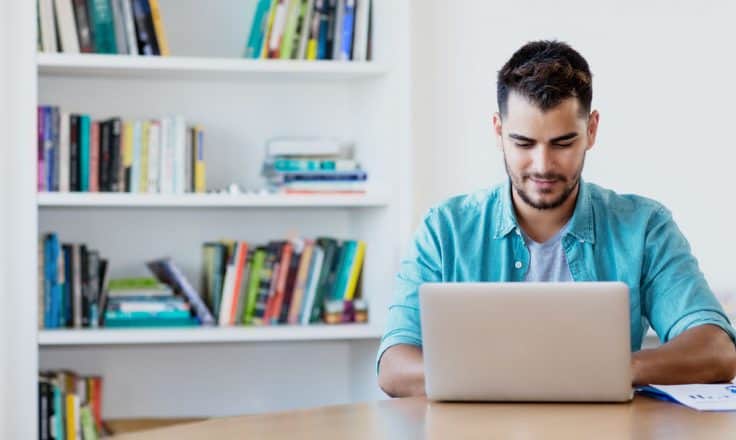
x=102, y=25
x=131, y=43
x=145, y=36
x=345, y=50
x=84, y=29
x=305, y=264
x=253, y=285
x=84, y=152
x=287, y=41
x=311, y=285
x=166, y=271
x=158, y=28
x=257, y=29
x=67, y=27
x=362, y=20
x=48, y=25
x=118, y=18
x=305, y=29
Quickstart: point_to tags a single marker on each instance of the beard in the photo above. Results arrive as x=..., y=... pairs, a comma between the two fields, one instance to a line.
x=517, y=183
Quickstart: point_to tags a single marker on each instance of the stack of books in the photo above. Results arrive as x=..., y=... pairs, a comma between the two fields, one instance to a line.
x=284, y=282
x=145, y=302
x=311, y=30
x=76, y=153
x=130, y=27
x=312, y=166
x=69, y=406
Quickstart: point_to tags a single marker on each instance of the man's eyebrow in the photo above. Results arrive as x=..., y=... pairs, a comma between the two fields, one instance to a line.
x=519, y=137
x=562, y=138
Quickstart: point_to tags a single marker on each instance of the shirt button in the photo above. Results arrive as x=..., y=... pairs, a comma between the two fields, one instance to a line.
x=518, y=265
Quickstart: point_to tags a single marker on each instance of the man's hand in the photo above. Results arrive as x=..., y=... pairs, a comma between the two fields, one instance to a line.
x=401, y=371
x=703, y=354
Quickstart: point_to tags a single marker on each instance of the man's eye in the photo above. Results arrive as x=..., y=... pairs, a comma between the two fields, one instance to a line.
x=523, y=145
x=565, y=145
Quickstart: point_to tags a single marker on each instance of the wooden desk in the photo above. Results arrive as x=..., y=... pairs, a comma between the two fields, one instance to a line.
x=413, y=418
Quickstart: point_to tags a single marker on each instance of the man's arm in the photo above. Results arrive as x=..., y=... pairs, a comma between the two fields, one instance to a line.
x=401, y=371
x=702, y=354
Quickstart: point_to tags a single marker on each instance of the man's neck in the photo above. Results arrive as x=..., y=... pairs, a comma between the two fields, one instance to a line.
x=542, y=224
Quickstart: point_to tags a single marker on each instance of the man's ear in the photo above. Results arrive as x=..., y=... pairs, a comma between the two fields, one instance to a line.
x=498, y=130
x=593, y=121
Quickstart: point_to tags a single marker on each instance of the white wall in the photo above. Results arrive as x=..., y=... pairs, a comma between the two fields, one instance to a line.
x=663, y=74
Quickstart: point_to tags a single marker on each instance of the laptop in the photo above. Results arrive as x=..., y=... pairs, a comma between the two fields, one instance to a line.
x=553, y=342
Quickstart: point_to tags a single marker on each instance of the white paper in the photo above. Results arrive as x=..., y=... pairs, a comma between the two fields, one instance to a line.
x=703, y=397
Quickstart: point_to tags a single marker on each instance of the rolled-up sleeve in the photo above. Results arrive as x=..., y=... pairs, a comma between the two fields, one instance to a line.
x=421, y=264
x=675, y=293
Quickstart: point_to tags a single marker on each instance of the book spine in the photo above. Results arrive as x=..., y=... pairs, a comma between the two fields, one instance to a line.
x=346, y=47
x=115, y=172
x=48, y=25
x=312, y=280
x=287, y=41
x=66, y=26
x=144, y=36
x=103, y=27
x=121, y=41
x=129, y=23
x=301, y=281
x=127, y=141
x=158, y=28
x=94, y=157
x=306, y=29
x=239, y=261
x=154, y=157
x=74, y=175
x=360, y=42
x=48, y=149
x=253, y=283
x=84, y=152
x=257, y=29
x=355, y=270
x=56, y=147
x=269, y=29
x=336, y=25
x=84, y=31
x=145, y=140
x=64, y=140
x=200, y=170
x=40, y=149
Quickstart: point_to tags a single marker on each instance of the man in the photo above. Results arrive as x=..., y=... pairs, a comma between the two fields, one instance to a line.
x=547, y=224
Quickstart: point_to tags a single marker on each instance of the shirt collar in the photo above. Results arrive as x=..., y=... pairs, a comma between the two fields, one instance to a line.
x=580, y=225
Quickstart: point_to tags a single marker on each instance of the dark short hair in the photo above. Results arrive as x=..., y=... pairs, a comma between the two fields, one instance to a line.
x=546, y=73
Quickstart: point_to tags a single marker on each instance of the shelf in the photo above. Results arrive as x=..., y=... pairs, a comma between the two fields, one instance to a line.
x=95, y=65
x=127, y=200
x=196, y=335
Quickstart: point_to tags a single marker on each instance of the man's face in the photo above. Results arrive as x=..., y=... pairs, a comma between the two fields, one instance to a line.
x=544, y=152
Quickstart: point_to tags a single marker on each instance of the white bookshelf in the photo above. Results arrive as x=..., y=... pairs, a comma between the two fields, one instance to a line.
x=85, y=337
x=201, y=68
x=125, y=200
x=240, y=103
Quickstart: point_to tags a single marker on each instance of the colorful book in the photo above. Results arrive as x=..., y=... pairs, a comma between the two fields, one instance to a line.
x=315, y=269
x=257, y=29
x=253, y=285
x=102, y=25
x=292, y=18
x=345, y=51
x=84, y=152
x=305, y=263
x=158, y=28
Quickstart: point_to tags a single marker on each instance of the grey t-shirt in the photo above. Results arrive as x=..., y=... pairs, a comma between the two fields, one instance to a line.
x=547, y=260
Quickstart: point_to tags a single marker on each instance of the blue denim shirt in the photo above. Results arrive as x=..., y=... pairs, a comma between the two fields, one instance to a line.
x=611, y=237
